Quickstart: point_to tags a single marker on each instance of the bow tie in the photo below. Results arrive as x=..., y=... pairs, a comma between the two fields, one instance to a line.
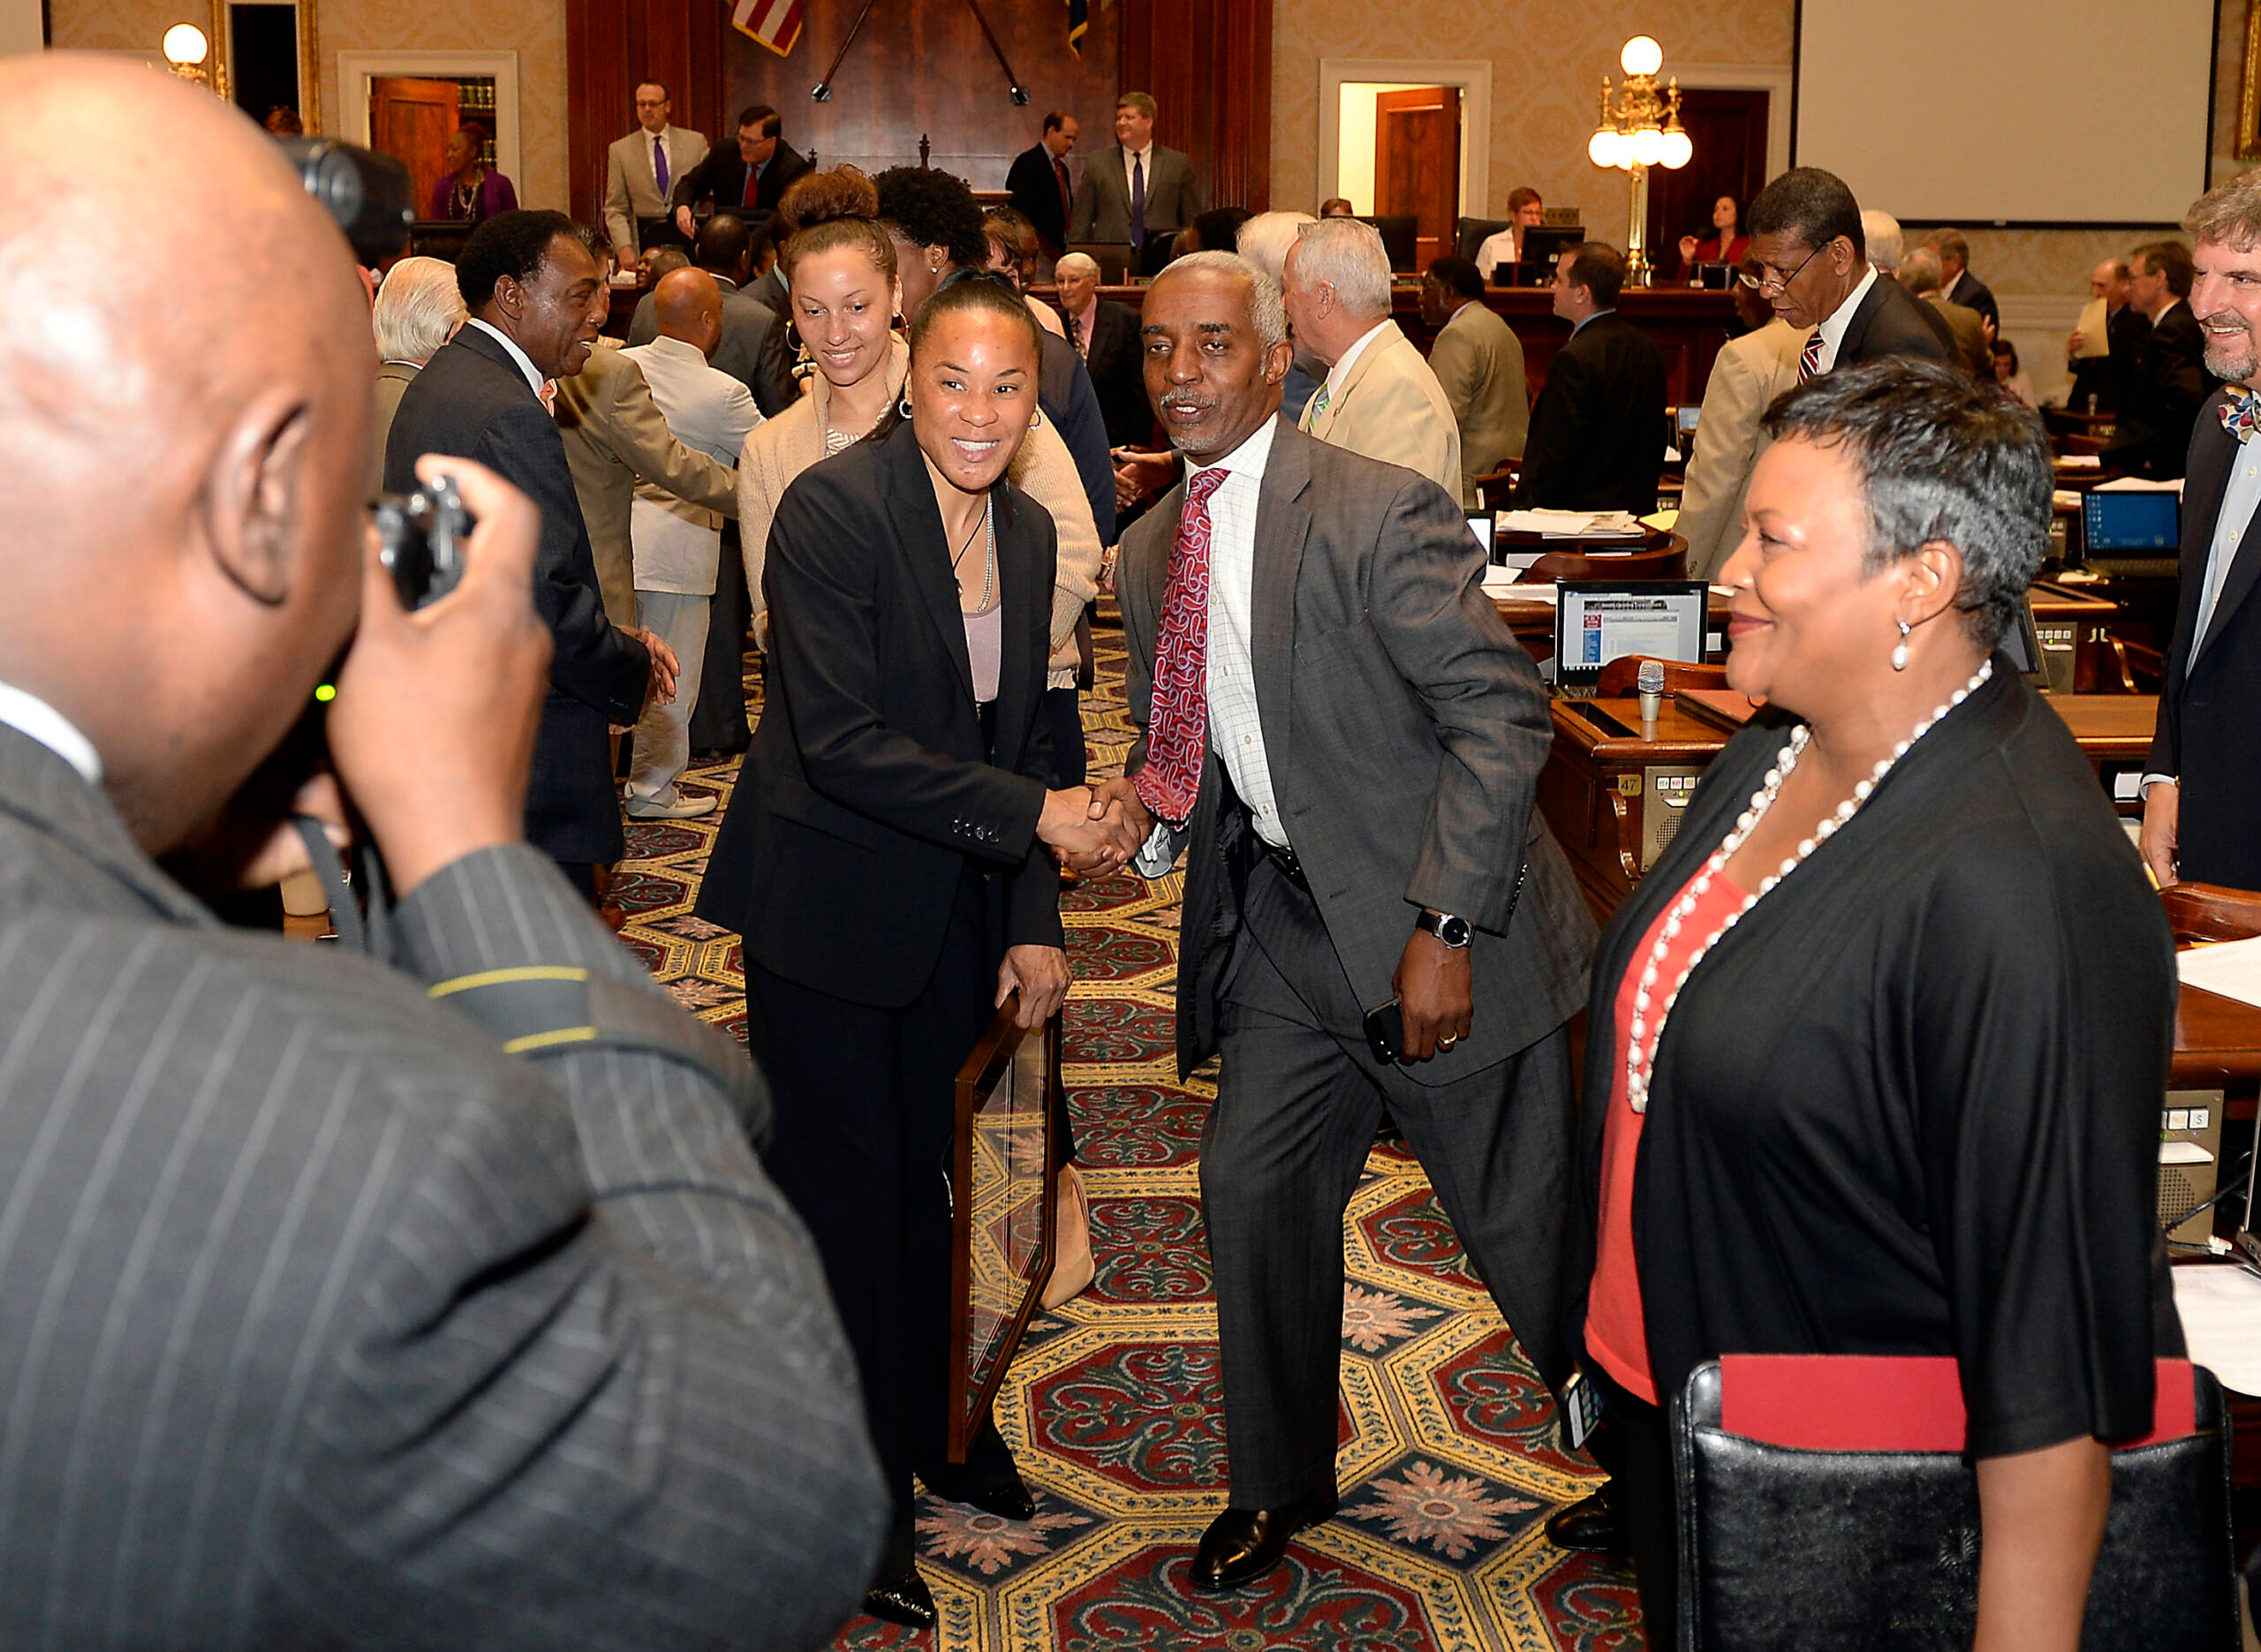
x=2240, y=414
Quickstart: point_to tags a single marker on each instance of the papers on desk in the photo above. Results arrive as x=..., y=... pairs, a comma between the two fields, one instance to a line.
x=2080, y=462
x=2137, y=484
x=1571, y=524
x=2064, y=498
x=1505, y=581
x=2095, y=340
x=2231, y=968
x=2221, y=1306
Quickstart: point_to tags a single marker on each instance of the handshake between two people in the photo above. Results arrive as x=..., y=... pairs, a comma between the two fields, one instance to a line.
x=1094, y=829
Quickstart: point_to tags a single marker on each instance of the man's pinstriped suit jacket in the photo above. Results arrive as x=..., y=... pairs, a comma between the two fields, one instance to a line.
x=324, y=1322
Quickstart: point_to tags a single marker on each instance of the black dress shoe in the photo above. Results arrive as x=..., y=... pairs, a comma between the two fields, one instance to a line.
x=1593, y=1524
x=1241, y=1545
x=905, y=1599
x=1009, y=1498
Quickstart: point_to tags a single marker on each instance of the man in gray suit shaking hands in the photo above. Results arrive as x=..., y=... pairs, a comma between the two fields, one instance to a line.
x=1344, y=742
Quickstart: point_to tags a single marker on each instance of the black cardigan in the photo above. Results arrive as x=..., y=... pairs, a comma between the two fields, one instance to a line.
x=1910, y=1104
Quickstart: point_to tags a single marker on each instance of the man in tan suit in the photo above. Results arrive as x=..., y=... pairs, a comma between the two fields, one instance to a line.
x=640, y=169
x=1748, y=373
x=1479, y=361
x=1380, y=398
x=1974, y=347
x=616, y=434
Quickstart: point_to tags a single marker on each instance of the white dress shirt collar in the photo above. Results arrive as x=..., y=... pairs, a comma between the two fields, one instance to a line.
x=1341, y=370
x=524, y=362
x=35, y=718
x=1145, y=154
x=1833, y=329
x=1248, y=459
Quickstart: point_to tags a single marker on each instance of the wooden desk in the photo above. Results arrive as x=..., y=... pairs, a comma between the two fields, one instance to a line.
x=1611, y=787
x=2077, y=623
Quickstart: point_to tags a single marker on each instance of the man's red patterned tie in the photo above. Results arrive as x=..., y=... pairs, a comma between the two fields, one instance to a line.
x=1178, y=723
x=1810, y=358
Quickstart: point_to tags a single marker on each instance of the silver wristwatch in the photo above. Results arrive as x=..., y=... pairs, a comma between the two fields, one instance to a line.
x=1454, y=931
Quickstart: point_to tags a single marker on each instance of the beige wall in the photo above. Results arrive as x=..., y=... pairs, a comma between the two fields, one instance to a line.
x=1546, y=65
x=535, y=29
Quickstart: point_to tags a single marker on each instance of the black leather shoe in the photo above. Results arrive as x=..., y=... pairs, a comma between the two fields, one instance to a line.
x=905, y=1599
x=1592, y=1524
x=1009, y=1498
x=1241, y=1545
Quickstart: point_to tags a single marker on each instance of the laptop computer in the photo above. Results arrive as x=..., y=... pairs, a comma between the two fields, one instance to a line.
x=1597, y=621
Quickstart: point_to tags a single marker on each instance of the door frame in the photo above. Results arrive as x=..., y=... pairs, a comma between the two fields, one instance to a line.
x=357, y=68
x=1472, y=75
x=1774, y=78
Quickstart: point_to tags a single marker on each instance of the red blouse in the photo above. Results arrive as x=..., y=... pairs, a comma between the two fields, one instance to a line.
x=1617, y=1335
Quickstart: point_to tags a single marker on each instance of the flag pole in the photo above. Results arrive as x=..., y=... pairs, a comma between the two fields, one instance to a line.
x=821, y=92
x=1012, y=81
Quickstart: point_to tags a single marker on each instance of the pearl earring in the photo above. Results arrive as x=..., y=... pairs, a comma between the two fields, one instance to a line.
x=1899, y=652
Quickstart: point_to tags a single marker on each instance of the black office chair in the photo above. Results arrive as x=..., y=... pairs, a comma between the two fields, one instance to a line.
x=1473, y=232
x=1876, y=1550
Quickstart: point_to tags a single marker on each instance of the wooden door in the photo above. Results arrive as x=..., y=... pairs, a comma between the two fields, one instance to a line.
x=1417, y=164
x=410, y=120
x=1727, y=126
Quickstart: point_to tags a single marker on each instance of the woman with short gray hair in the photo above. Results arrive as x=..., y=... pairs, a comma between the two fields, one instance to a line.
x=1878, y=1046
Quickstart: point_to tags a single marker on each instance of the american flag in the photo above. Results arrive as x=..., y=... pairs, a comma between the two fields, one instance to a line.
x=776, y=24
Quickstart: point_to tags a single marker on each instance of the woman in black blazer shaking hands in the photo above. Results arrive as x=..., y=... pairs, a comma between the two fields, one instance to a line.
x=886, y=856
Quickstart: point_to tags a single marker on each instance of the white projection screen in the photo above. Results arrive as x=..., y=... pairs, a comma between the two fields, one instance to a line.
x=1979, y=112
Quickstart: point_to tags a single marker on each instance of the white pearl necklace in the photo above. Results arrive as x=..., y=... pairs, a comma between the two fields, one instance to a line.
x=1641, y=1048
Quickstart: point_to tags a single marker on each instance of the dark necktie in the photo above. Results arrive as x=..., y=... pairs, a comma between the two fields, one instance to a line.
x=659, y=165
x=752, y=186
x=1067, y=196
x=1177, y=719
x=1138, y=201
x=1810, y=358
x=1075, y=334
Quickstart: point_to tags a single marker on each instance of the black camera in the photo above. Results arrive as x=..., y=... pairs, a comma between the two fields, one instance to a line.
x=367, y=195
x=420, y=540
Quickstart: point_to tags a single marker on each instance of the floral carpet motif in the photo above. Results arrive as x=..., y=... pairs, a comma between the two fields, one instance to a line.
x=1450, y=1462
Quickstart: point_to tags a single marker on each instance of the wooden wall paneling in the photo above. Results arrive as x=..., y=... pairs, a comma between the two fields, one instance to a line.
x=921, y=67
x=612, y=44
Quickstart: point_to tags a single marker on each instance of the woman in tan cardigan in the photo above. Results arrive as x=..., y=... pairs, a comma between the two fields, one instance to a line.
x=840, y=272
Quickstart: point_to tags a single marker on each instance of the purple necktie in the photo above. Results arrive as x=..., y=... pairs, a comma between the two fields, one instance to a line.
x=659, y=165
x=1138, y=201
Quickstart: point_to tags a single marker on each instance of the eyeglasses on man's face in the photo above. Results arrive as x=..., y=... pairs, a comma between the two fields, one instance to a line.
x=1770, y=276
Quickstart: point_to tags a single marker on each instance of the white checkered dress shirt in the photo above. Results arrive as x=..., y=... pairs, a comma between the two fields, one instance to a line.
x=1235, y=733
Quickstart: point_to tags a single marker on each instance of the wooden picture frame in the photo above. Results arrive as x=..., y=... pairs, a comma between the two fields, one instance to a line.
x=1008, y=1142
x=2248, y=147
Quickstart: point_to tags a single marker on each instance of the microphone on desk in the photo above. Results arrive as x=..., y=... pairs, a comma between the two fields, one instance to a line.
x=1649, y=683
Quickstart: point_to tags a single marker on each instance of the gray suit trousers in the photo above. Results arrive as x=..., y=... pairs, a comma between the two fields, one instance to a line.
x=1298, y=1099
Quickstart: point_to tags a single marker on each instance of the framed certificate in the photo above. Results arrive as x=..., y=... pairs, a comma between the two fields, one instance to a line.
x=1008, y=1144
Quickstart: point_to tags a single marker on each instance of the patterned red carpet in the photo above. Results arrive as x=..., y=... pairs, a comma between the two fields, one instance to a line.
x=1114, y=1408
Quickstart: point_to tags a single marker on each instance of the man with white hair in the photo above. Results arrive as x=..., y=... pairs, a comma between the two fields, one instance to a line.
x=1264, y=241
x=1106, y=336
x=1380, y=398
x=418, y=310
x=1885, y=240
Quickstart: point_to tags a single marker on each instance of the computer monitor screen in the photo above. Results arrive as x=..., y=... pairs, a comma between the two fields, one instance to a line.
x=2148, y=520
x=1597, y=621
x=2021, y=646
x=1541, y=246
x=1399, y=234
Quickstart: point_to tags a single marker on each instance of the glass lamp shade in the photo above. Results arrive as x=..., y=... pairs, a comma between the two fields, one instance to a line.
x=1647, y=146
x=1641, y=55
x=1679, y=150
x=185, y=45
x=1604, y=147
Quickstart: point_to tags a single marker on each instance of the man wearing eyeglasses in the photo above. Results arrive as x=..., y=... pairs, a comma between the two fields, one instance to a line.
x=1806, y=235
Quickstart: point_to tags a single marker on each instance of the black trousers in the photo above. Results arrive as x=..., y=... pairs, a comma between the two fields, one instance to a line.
x=1634, y=1445
x=1064, y=716
x=718, y=721
x=864, y=1099
x=1298, y=1101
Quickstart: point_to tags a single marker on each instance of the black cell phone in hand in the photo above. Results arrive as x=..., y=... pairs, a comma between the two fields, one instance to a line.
x=1385, y=1032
